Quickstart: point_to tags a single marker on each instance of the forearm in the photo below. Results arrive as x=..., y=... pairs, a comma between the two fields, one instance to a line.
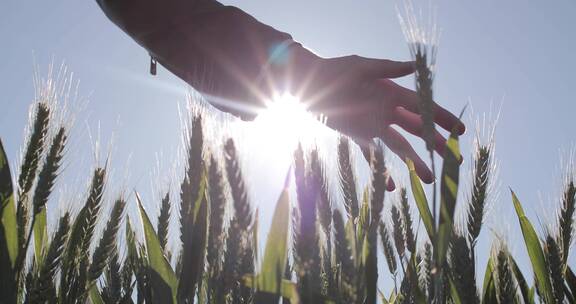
x=219, y=50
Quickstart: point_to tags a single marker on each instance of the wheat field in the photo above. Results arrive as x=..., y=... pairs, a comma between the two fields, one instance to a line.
x=315, y=252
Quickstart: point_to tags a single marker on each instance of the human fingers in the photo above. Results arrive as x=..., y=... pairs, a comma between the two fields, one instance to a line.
x=382, y=68
x=412, y=123
x=391, y=186
x=401, y=147
x=408, y=99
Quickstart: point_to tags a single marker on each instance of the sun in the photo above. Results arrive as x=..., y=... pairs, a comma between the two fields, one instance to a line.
x=283, y=124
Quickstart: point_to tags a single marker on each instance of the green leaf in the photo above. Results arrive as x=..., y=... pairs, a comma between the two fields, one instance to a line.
x=571, y=280
x=130, y=241
x=412, y=271
x=535, y=251
x=40, y=235
x=363, y=222
x=159, y=266
x=383, y=297
x=393, y=298
x=454, y=292
x=527, y=295
x=448, y=195
x=365, y=252
x=8, y=232
x=288, y=290
x=351, y=238
x=95, y=295
x=276, y=251
x=421, y=201
x=489, y=290
x=8, y=225
x=194, y=245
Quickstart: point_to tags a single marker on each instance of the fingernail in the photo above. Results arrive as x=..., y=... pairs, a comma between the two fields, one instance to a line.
x=462, y=128
x=391, y=186
x=429, y=178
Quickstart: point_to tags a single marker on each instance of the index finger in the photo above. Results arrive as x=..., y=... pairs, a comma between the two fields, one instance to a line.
x=409, y=100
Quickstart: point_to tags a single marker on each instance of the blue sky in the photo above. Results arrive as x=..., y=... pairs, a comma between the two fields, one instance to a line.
x=505, y=55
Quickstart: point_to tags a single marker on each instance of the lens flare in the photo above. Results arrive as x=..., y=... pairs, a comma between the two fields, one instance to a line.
x=283, y=124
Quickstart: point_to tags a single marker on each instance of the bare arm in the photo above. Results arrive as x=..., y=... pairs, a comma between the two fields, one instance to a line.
x=224, y=52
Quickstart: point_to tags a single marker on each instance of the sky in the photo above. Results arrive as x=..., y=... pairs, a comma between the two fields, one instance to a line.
x=498, y=57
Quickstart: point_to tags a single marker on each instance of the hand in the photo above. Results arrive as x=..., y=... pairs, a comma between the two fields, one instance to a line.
x=225, y=53
x=359, y=100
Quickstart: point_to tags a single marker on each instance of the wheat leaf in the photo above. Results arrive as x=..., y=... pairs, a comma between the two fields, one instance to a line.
x=535, y=251
x=40, y=235
x=8, y=231
x=276, y=251
x=571, y=280
x=95, y=295
x=159, y=266
x=8, y=225
x=489, y=290
x=527, y=295
x=448, y=195
x=194, y=245
x=289, y=289
x=421, y=201
x=454, y=292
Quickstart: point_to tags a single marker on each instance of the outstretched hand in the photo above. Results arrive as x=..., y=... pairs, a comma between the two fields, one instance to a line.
x=226, y=53
x=360, y=100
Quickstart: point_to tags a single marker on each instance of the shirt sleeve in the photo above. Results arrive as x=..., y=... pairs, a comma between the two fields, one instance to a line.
x=219, y=50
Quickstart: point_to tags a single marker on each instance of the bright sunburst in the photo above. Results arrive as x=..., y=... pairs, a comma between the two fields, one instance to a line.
x=283, y=124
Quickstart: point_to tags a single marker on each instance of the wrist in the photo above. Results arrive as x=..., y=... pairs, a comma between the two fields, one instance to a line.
x=304, y=68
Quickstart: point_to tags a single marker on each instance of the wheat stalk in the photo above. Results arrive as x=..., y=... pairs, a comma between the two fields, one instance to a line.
x=379, y=181
x=343, y=254
x=422, y=41
x=193, y=254
x=462, y=270
x=324, y=212
x=306, y=240
x=398, y=227
x=46, y=179
x=112, y=290
x=425, y=274
x=407, y=219
x=238, y=249
x=34, y=148
x=388, y=249
x=28, y=171
x=107, y=243
x=51, y=262
x=241, y=202
x=566, y=220
x=347, y=177
x=164, y=223
x=554, y=262
x=189, y=189
x=74, y=269
x=49, y=171
x=477, y=203
x=505, y=289
x=215, y=230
